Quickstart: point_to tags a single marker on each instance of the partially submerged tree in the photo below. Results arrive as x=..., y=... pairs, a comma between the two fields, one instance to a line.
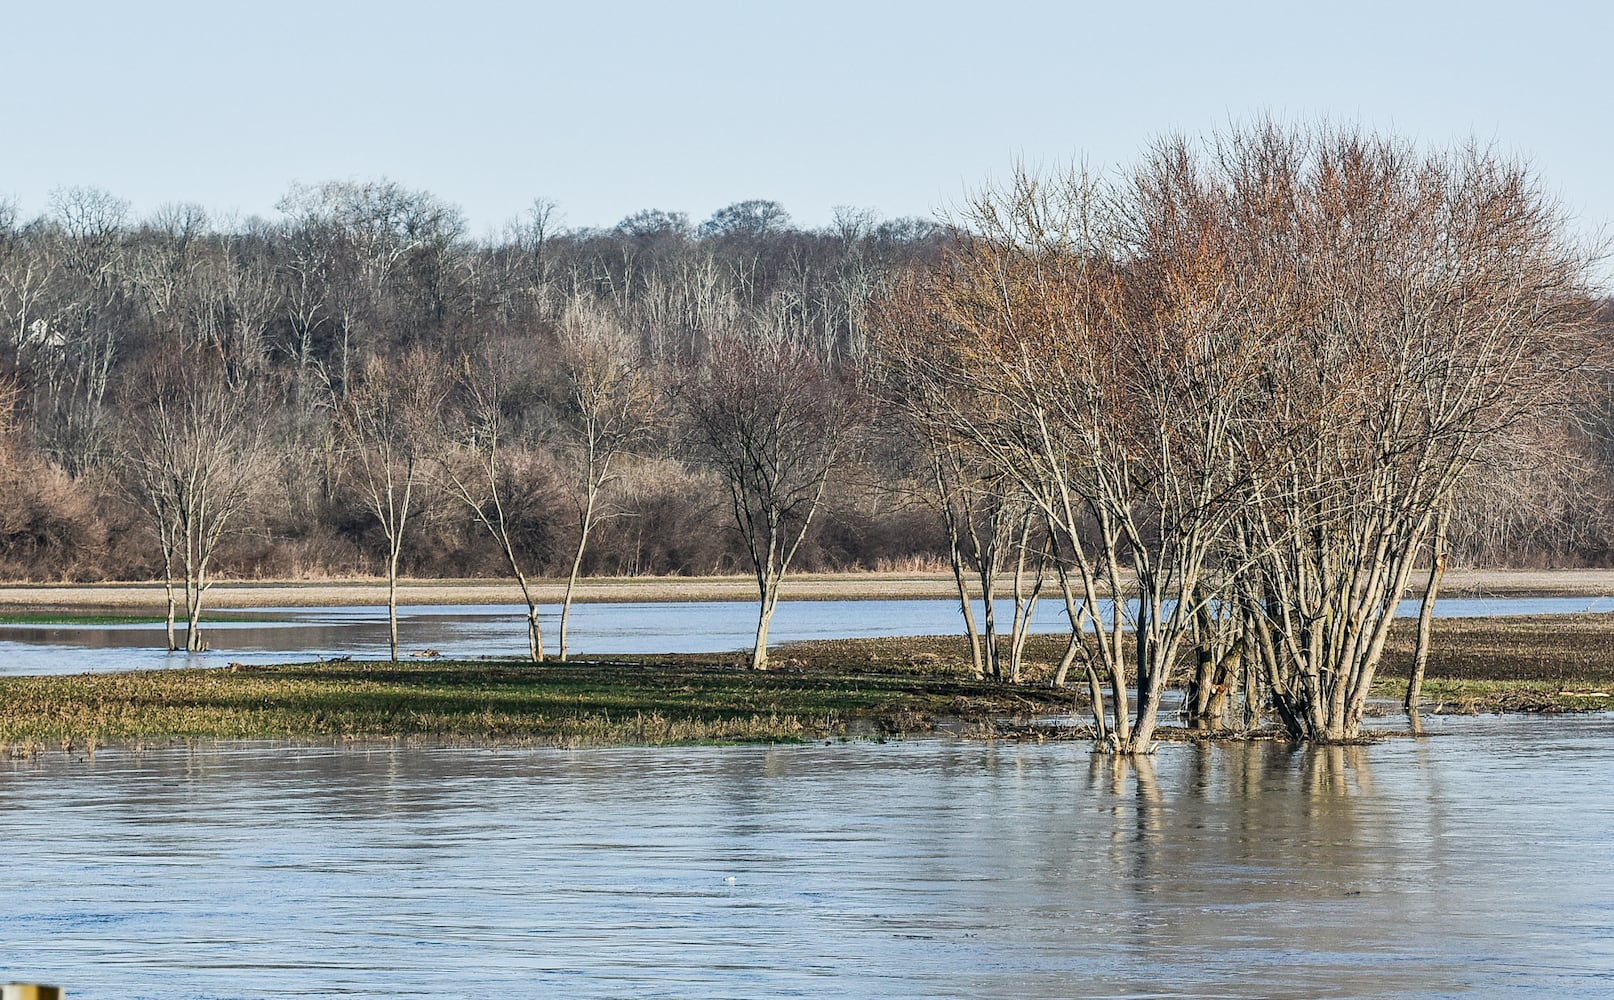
x=1429, y=303
x=194, y=459
x=774, y=420
x=610, y=405
x=1051, y=340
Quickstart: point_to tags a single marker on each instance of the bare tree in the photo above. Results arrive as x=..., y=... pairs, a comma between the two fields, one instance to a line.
x=972, y=506
x=1427, y=304
x=1051, y=341
x=194, y=462
x=610, y=404
x=495, y=469
x=364, y=242
x=773, y=419
x=981, y=512
x=389, y=424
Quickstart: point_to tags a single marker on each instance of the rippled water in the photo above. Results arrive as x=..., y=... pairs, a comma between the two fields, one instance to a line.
x=286, y=634
x=1477, y=863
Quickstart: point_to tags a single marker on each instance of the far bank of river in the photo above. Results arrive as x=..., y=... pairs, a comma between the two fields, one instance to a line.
x=148, y=596
x=62, y=639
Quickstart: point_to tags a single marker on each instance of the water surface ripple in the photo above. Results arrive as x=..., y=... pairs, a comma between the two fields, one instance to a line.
x=1479, y=862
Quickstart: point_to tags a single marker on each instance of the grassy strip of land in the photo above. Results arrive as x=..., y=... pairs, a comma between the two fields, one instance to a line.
x=68, y=618
x=1557, y=663
x=74, y=618
x=849, y=687
x=1554, y=663
x=575, y=704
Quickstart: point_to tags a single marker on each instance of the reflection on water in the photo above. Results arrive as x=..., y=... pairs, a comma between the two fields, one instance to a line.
x=1480, y=862
x=288, y=634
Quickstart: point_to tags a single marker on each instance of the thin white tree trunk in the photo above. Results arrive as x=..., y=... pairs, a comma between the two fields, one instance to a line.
x=769, y=603
x=587, y=523
x=168, y=587
x=1426, y=614
x=392, y=604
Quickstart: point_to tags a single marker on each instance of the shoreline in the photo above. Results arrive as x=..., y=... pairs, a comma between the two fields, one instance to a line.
x=237, y=594
x=847, y=689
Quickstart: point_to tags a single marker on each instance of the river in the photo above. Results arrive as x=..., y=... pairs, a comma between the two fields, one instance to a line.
x=280, y=635
x=1479, y=861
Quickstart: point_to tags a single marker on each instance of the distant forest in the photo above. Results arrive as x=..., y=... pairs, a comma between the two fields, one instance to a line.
x=353, y=287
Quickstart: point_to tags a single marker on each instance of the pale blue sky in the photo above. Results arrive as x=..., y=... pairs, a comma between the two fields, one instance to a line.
x=895, y=107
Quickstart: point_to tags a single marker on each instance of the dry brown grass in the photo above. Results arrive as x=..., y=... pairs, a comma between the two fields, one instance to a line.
x=125, y=596
x=802, y=587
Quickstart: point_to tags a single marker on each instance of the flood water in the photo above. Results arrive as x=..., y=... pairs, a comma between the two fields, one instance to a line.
x=279, y=635
x=1479, y=862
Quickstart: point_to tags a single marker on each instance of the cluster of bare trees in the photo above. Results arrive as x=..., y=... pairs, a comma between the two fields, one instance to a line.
x=1239, y=388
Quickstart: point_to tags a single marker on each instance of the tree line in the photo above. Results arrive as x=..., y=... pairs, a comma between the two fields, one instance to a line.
x=295, y=323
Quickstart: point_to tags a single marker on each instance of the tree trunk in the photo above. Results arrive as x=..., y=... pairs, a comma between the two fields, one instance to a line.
x=955, y=560
x=571, y=581
x=535, y=632
x=1426, y=614
x=993, y=665
x=1025, y=604
x=1073, y=649
x=392, y=605
x=1095, y=691
x=535, y=635
x=1227, y=668
x=1207, y=691
x=193, y=625
x=770, y=602
x=973, y=634
x=193, y=601
x=168, y=588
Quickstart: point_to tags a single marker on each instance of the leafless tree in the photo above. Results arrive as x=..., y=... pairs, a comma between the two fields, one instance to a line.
x=610, y=405
x=361, y=241
x=1246, y=375
x=495, y=469
x=389, y=425
x=984, y=518
x=1427, y=303
x=1058, y=352
x=194, y=464
x=774, y=420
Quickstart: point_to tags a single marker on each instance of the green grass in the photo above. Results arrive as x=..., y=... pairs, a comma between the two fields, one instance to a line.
x=1444, y=696
x=505, y=702
x=49, y=618
x=839, y=688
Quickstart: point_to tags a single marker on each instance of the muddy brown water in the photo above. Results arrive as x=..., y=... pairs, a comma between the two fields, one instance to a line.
x=1478, y=862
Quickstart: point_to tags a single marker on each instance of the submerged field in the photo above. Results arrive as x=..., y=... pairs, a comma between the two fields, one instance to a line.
x=852, y=687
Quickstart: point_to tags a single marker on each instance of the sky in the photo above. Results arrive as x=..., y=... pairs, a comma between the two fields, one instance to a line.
x=896, y=108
